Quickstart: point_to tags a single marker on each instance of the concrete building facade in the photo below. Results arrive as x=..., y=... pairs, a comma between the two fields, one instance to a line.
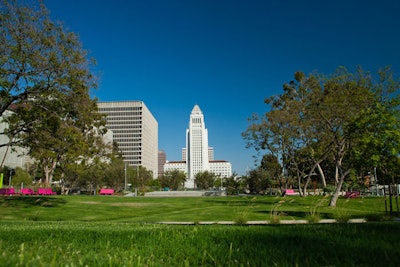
x=135, y=130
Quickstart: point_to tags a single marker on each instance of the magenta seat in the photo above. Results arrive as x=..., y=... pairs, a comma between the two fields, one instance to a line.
x=106, y=191
x=27, y=191
x=46, y=191
x=7, y=191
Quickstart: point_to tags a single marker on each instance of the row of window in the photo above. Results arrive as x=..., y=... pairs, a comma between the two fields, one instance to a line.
x=127, y=131
x=137, y=154
x=196, y=120
x=124, y=114
x=115, y=109
x=123, y=122
x=117, y=129
x=130, y=118
x=127, y=135
x=127, y=140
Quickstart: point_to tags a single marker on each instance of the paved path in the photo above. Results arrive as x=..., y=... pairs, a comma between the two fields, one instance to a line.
x=264, y=222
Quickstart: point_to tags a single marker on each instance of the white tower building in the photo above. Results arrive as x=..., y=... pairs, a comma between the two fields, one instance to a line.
x=197, y=156
x=196, y=145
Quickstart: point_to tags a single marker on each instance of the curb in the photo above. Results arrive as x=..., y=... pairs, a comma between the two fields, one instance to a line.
x=283, y=222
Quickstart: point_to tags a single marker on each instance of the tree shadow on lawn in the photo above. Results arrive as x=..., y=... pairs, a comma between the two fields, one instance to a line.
x=26, y=201
x=242, y=202
x=327, y=215
x=322, y=245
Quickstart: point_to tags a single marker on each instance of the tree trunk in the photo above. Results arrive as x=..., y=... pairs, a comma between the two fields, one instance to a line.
x=312, y=172
x=49, y=171
x=390, y=200
x=322, y=174
x=337, y=175
x=335, y=196
x=302, y=193
x=5, y=154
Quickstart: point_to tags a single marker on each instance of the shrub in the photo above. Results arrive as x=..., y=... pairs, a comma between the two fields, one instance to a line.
x=241, y=217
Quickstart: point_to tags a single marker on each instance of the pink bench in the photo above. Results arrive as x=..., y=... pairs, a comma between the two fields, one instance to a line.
x=7, y=191
x=289, y=192
x=352, y=194
x=106, y=191
x=27, y=191
x=46, y=191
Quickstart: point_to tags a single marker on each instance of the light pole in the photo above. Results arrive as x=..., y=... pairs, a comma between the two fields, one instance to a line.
x=9, y=182
x=376, y=181
x=125, y=176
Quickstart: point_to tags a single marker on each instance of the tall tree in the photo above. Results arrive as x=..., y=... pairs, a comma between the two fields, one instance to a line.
x=173, y=179
x=316, y=116
x=204, y=180
x=45, y=80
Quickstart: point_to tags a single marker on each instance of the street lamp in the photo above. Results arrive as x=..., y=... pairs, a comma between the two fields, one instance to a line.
x=376, y=181
x=125, y=176
x=11, y=173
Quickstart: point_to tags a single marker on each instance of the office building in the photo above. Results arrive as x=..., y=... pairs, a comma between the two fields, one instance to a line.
x=135, y=130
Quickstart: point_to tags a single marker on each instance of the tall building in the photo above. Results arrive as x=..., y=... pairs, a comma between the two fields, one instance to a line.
x=162, y=158
x=197, y=156
x=135, y=130
x=196, y=144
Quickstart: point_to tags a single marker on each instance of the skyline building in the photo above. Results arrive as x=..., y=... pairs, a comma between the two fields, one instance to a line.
x=162, y=158
x=196, y=145
x=135, y=130
x=197, y=156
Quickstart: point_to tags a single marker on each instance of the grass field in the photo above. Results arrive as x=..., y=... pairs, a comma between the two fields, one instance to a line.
x=195, y=209
x=121, y=231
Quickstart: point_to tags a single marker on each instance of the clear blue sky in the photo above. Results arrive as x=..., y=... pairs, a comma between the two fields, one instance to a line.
x=224, y=55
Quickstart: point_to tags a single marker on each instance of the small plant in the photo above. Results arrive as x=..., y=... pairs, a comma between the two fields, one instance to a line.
x=341, y=215
x=328, y=190
x=241, y=217
x=314, y=216
x=276, y=213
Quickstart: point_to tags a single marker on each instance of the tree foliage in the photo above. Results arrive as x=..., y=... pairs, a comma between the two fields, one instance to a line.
x=204, y=180
x=332, y=122
x=45, y=80
x=174, y=179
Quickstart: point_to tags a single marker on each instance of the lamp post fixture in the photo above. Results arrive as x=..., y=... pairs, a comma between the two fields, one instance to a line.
x=376, y=181
x=125, y=176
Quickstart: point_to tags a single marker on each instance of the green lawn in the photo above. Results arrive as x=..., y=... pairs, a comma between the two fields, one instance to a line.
x=194, y=209
x=122, y=231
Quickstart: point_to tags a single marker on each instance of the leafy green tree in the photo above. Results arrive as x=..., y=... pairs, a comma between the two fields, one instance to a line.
x=314, y=121
x=235, y=184
x=204, y=180
x=114, y=174
x=93, y=177
x=45, y=81
x=174, y=179
x=141, y=178
x=231, y=186
x=258, y=181
x=20, y=176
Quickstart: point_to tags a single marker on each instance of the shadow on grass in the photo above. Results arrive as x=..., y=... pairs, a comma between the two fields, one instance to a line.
x=325, y=245
x=245, y=201
x=26, y=201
